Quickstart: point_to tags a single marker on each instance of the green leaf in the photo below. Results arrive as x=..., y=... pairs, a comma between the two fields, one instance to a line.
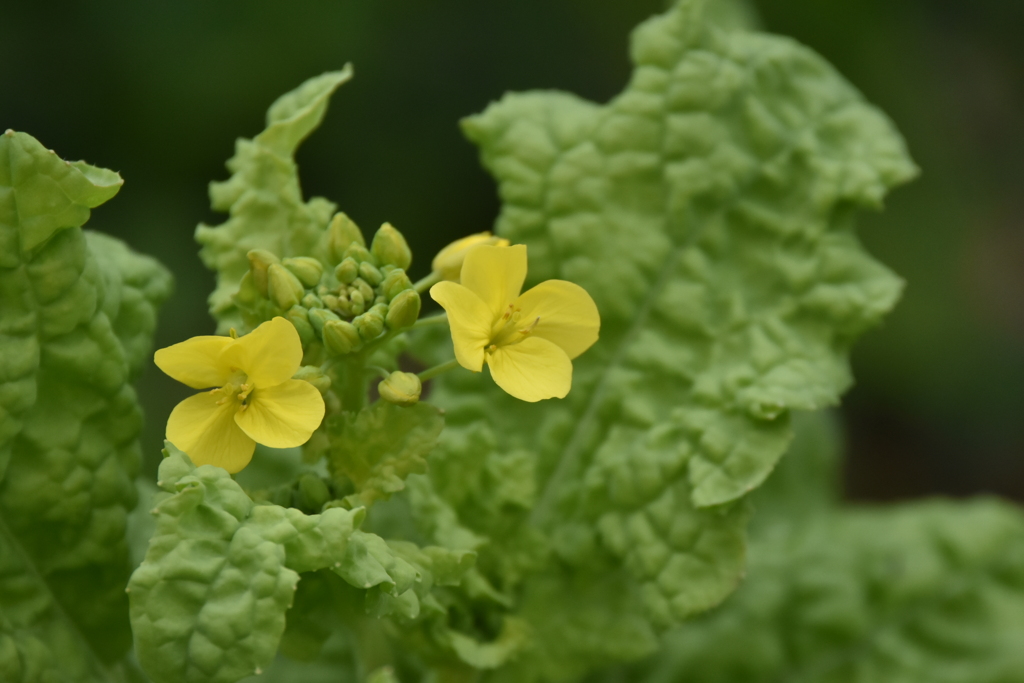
x=77, y=314
x=208, y=602
x=378, y=447
x=709, y=210
x=263, y=196
x=930, y=591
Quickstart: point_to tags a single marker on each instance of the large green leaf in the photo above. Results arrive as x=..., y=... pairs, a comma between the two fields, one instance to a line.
x=263, y=196
x=77, y=314
x=930, y=592
x=708, y=209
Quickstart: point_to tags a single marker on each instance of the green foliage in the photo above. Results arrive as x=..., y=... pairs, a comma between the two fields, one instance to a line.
x=263, y=196
x=209, y=599
x=77, y=313
x=378, y=447
x=930, y=591
x=708, y=209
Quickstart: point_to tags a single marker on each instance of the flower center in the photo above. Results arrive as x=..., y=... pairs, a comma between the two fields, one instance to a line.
x=237, y=390
x=511, y=329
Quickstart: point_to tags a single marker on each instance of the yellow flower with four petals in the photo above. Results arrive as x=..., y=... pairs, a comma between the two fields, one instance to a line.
x=528, y=340
x=256, y=401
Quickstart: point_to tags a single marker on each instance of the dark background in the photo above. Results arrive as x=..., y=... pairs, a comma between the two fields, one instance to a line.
x=159, y=91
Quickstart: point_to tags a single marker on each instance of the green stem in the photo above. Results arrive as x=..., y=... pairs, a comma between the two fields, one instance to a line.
x=431, y=373
x=425, y=284
x=431, y=320
x=383, y=372
x=353, y=387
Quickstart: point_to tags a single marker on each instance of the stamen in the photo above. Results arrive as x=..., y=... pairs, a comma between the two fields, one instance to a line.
x=508, y=312
x=529, y=329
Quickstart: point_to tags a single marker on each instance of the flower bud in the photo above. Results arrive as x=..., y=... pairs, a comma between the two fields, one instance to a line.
x=364, y=288
x=341, y=337
x=260, y=261
x=401, y=388
x=247, y=294
x=394, y=282
x=307, y=269
x=312, y=493
x=284, y=289
x=369, y=273
x=404, y=310
x=299, y=317
x=312, y=301
x=389, y=246
x=448, y=262
x=341, y=234
x=359, y=253
x=356, y=302
x=369, y=324
x=318, y=317
x=347, y=270
x=315, y=376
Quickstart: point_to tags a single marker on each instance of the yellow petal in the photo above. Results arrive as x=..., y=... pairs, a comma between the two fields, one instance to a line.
x=469, y=320
x=284, y=415
x=532, y=370
x=196, y=361
x=448, y=262
x=208, y=434
x=269, y=355
x=496, y=275
x=568, y=316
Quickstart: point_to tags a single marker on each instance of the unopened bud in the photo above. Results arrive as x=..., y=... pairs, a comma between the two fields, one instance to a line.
x=247, y=294
x=318, y=317
x=307, y=269
x=341, y=337
x=394, y=282
x=311, y=300
x=341, y=234
x=404, y=310
x=347, y=270
x=369, y=273
x=356, y=302
x=284, y=289
x=389, y=246
x=299, y=317
x=448, y=262
x=369, y=324
x=364, y=288
x=315, y=376
x=260, y=261
x=401, y=388
x=359, y=253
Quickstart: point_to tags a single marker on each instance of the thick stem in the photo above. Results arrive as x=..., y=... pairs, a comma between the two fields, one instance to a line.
x=431, y=373
x=353, y=386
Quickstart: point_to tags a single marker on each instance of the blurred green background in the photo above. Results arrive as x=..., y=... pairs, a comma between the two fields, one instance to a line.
x=160, y=91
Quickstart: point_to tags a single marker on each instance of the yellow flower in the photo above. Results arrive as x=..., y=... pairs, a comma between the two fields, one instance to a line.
x=257, y=399
x=527, y=340
x=448, y=262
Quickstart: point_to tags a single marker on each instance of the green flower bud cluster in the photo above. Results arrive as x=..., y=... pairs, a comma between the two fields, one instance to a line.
x=358, y=295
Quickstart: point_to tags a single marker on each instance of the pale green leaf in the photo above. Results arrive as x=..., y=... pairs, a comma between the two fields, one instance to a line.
x=208, y=602
x=263, y=196
x=708, y=209
x=77, y=314
x=929, y=592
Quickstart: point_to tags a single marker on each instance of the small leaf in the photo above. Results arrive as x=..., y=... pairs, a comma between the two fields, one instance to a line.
x=263, y=196
x=378, y=447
